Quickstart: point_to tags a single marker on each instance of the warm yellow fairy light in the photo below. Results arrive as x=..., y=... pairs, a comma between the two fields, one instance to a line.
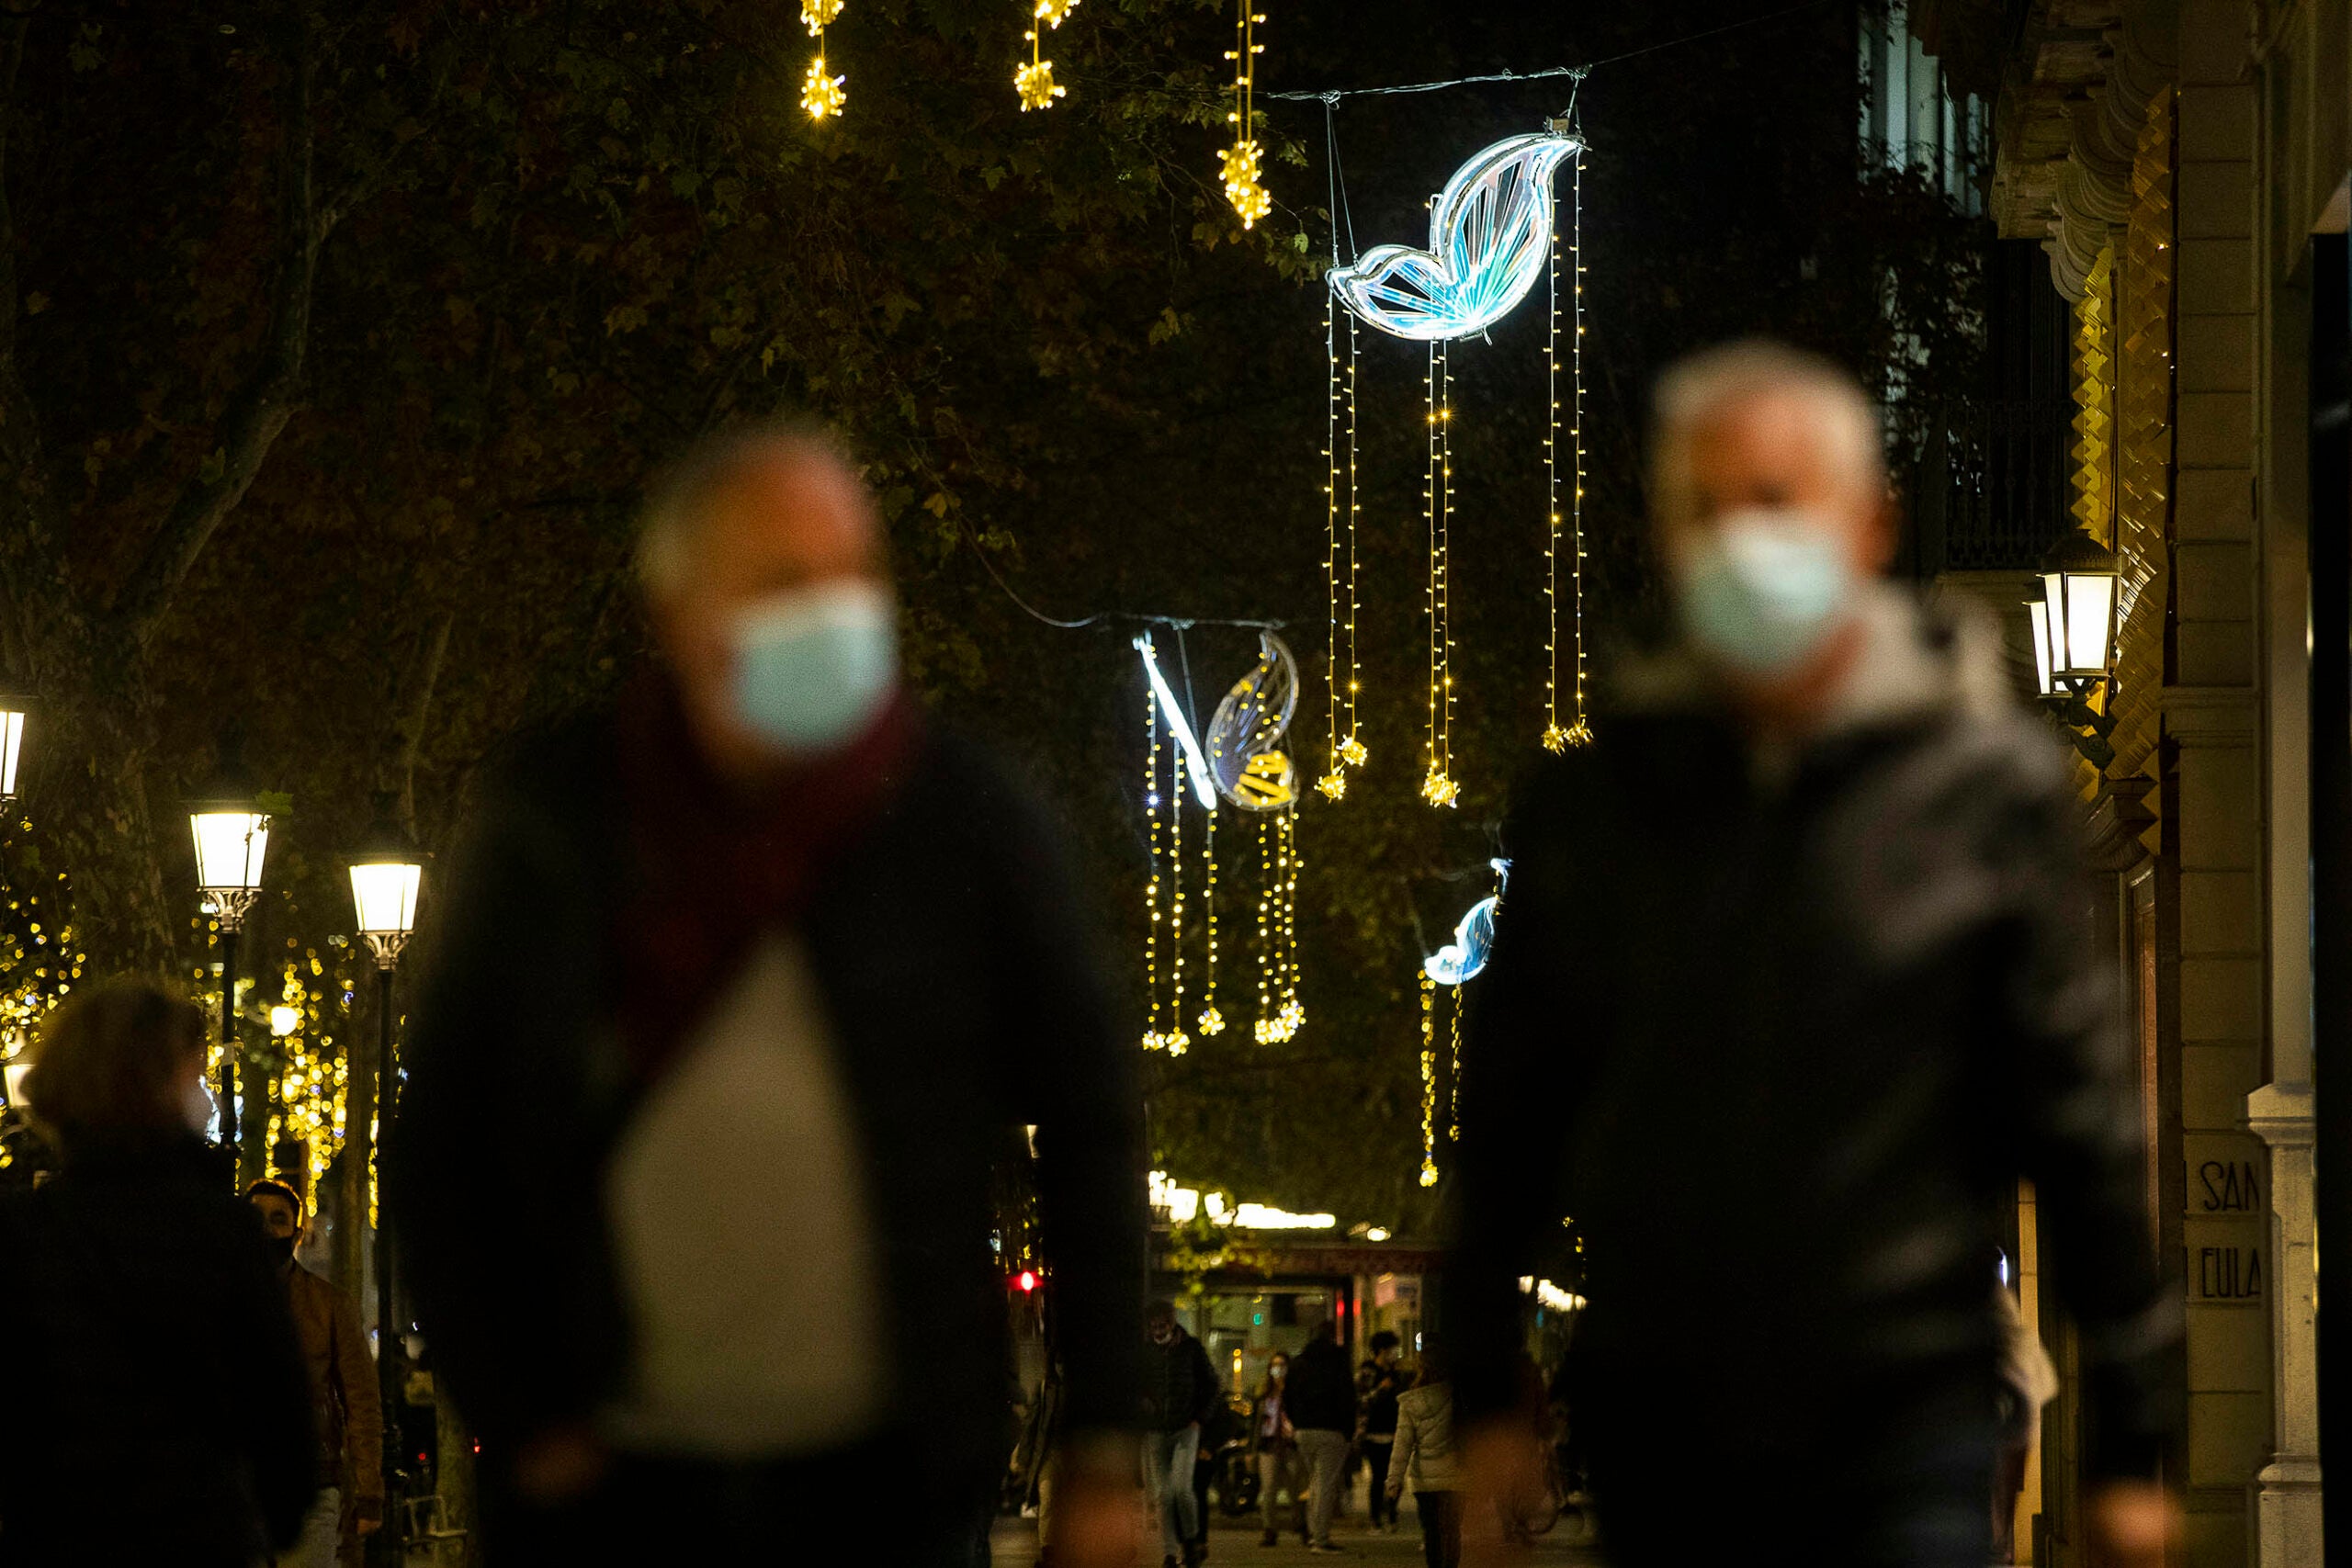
x=1428, y=1080
x=1453, y=1073
x=1351, y=748
x=1154, y=1037
x=1176, y=1041
x=1034, y=81
x=1211, y=1021
x=1577, y=731
x=822, y=94
x=1437, y=786
x=1263, y=1030
x=313, y=1081
x=1241, y=160
x=1291, y=1017
x=1334, y=782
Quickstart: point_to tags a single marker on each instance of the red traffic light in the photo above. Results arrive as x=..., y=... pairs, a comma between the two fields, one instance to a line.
x=1026, y=1280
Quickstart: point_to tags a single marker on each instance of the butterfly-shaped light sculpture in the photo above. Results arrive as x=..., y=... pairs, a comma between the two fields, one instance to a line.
x=1490, y=239
x=1474, y=939
x=1245, y=735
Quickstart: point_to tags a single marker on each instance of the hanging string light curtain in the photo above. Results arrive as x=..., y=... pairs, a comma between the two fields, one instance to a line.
x=1034, y=81
x=1155, y=1037
x=1238, y=761
x=1241, y=161
x=1428, y=1080
x=1577, y=731
x=1438, y=785
x=822, y=94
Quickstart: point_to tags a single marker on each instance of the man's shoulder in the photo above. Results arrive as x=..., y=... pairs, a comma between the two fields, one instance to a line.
x=319, y=1293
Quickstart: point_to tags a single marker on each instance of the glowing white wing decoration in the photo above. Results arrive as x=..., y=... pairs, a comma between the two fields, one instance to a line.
x=1490, y=239
x=1474, y=939
x=1245, y=736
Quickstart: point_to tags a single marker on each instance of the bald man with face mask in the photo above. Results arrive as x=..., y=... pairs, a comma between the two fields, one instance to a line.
x=744, y=984
x=1794, y=982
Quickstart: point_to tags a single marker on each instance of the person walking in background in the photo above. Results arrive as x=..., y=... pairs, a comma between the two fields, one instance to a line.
x=1322, y=1408
x=157, y=1406
x=1829, y=800
x=1277, y=1445
x=345, y=1409
x=743, y=982
x=1425, y=1461
x=1181, y=1393
x=1378, y=1382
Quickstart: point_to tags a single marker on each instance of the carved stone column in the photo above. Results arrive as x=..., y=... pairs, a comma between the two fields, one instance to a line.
x=2287, y=1518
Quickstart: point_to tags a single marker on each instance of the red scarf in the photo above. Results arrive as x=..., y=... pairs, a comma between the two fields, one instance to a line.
x=715, y=868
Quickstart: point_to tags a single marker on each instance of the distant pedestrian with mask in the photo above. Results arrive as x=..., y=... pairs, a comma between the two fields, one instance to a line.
x=1821, y=875
x=1277, y=1445
x=1378, y=1382
x=157, y=1410
x=742, y=984
x=345, y=1409
x=1181, y=1394
x=1322, y=1406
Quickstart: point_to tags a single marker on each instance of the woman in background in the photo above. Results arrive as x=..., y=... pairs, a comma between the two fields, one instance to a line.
x=158, y=1409
x=1425, y=1456
x=1277, y=1445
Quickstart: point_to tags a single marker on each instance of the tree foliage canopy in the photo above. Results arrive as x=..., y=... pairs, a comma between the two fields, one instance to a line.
x=337, y=341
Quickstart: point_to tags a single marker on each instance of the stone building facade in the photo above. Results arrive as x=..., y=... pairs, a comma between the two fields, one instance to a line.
x=2174, y=161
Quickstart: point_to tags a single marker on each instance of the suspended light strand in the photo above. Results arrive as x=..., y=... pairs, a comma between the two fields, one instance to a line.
x=1580, y=731
x=1034, y=81
x=1291, y=1015
x=1334, y=782
x=822, y=94
x=1154, y=1037
x=1263, y=1030
x=1453, y=1073
x=1437, y=786
x=1558, y=737
x=1211, y=1021
x=1351, y=748
x=1241, y=159
x=1176, y=1041
x=1429, y=1081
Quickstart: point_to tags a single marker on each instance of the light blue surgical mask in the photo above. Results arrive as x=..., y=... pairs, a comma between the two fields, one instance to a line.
x=1761, y=592
x=815, y=667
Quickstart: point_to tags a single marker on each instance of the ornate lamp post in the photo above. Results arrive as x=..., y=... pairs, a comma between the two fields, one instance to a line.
x=385, y=878
x=231, y=834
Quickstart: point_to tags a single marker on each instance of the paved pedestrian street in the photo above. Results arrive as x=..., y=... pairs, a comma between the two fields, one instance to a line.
x=1232, y=1545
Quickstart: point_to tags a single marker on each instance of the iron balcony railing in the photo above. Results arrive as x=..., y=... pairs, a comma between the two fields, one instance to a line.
x=1990, y=493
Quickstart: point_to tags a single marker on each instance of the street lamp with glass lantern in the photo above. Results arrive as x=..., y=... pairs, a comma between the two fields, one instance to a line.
x=13, y=712
x=232, y=833
x=385, y=878
x=2073, y=626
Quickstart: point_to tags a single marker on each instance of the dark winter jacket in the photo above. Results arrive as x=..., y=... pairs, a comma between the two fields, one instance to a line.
x=1780, y=1035
x=157, y=1407
x=1321, y=1394
x=957, y=975
x=1180, y=1384
x=1377, y=1387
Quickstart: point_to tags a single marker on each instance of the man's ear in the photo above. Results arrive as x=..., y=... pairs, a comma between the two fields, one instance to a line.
x=1886, y=532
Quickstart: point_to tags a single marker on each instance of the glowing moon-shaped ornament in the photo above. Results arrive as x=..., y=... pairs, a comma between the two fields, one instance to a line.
x=1490, y=239
x=1245, y=736
x=1474, y=940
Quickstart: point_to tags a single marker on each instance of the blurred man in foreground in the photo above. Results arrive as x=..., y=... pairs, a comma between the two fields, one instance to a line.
x=1794, y=982
x=741, y=989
